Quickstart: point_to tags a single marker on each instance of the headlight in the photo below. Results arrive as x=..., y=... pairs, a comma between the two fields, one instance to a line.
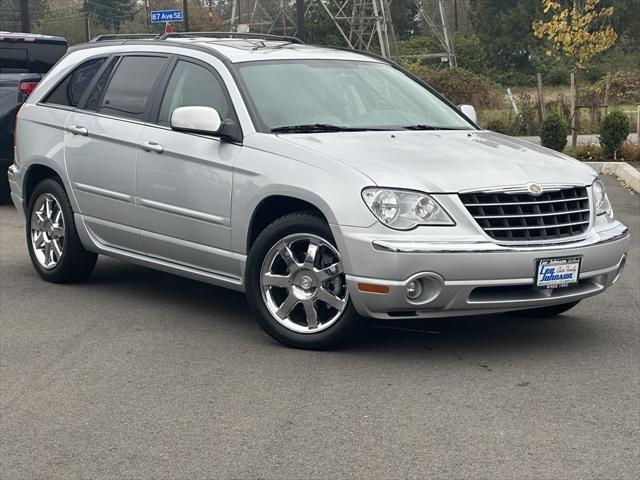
x=600, y=199
x=403, y=209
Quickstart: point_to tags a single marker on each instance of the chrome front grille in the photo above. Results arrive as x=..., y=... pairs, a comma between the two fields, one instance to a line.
x=519, y=216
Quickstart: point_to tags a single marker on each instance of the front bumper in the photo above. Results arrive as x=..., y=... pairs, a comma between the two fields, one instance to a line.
x=472, y=277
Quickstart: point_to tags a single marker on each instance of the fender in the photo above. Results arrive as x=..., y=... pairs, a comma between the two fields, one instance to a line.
x=41, y=161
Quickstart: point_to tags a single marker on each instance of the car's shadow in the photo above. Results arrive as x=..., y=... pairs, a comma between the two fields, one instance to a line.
x=496, y=333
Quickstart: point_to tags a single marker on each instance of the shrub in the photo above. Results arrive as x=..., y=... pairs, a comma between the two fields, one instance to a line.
x=471, y=53
x=503, y=122
x=624, y=88
x=553, y=132
x=586, y=152
x=630, y=151
x=613, y=131
x=560, y=105
x=528, y=114
x=417, y=47
x=459, y=85
x=499, y=125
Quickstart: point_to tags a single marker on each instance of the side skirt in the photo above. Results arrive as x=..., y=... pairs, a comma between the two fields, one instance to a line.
x=93, y=243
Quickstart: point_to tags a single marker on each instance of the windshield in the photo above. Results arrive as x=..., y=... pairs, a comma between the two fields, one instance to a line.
x=335, y=95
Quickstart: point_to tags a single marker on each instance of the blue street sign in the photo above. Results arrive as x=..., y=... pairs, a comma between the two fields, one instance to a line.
x=162, y=16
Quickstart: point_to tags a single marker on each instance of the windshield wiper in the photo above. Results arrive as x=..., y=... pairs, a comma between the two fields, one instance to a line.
x=317, y=127
x=430, y=127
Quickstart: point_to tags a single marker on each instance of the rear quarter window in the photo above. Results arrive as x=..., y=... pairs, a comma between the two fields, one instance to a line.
x=69, y=92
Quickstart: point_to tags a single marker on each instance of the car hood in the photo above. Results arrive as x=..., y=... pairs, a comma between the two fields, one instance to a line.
x=445, y=161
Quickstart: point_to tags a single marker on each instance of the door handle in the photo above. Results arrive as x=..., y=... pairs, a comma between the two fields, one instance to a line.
x=77, y=130
x=152, y=147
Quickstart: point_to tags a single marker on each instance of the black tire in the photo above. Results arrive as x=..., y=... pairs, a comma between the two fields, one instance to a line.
x=550, y=311
x=75, y=263
x=5, y=191
x=335, y=335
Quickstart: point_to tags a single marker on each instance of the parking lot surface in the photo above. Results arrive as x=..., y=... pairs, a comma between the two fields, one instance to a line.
x=140, y=374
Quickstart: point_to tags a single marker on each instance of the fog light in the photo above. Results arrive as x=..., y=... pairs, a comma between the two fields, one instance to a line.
x=414, y=289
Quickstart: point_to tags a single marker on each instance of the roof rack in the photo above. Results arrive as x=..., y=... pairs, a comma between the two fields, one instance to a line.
x=124, y=36
x=229, y=35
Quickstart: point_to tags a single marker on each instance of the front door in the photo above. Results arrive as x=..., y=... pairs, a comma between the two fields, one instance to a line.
x=184, y=180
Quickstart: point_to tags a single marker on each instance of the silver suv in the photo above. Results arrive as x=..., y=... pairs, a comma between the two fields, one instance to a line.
x=328, y=185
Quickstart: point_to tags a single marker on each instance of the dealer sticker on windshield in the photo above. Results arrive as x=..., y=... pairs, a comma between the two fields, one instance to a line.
x=558, y=272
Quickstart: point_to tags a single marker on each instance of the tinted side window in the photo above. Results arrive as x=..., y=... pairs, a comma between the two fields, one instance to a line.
x=98, y=89
x=129, y=89
x=191, y=85
x=70, y=90
x=14, y=60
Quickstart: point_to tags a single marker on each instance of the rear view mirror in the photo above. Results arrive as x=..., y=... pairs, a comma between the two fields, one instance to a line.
x=470, y=112
x=202, y=120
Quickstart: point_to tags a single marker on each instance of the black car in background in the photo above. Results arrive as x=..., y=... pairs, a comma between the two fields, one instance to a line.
x=24, y=59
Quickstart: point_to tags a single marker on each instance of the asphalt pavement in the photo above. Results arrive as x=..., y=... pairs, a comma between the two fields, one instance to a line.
x=139, y=374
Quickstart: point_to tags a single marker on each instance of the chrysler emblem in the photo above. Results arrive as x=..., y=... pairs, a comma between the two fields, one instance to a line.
x=535, y=189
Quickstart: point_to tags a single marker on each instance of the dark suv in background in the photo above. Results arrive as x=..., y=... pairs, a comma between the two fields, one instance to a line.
x=24, y=60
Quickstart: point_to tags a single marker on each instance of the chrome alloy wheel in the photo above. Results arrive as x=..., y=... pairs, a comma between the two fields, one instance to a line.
x=47, y=231
x=303, y=283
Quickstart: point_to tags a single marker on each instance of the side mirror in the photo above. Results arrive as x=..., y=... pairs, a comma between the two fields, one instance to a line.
x=202, y=120
x=470, y=112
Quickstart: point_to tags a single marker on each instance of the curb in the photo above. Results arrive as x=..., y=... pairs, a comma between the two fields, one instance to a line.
x=622, y=170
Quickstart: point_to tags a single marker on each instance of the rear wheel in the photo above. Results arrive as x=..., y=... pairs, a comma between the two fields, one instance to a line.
x=550, y=311
x=54, y=246
x=296, y=284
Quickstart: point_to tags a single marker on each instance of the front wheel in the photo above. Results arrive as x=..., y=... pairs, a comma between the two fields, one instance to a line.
x=296, y=284
x=550, y=311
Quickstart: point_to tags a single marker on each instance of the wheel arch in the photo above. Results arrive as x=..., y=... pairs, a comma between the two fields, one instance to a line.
x=274, y=206
x=35, y=173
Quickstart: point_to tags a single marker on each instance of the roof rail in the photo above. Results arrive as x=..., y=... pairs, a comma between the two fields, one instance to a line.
x=229, y=35
x=124, y=36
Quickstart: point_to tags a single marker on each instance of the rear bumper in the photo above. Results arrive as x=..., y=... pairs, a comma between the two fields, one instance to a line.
x=473, y=277
x=15, y=175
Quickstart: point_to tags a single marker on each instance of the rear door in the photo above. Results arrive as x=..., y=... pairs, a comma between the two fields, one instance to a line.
x=184, y=183
x=101, y=145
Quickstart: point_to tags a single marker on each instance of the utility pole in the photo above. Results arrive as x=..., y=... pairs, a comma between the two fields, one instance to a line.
x=25, y=21
x=302, y=32
x=455, y=15
x=185, y=10
x=87, y=21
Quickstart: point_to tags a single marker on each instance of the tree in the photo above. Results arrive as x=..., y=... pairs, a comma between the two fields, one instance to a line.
x=112, y=13
x=576, y=33
x=404, y=14
x=504, y=27
x=204, y=16
x=11, y=13
x=320, y=28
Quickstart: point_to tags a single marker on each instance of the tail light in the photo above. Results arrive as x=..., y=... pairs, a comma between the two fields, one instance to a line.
x=28, y=87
